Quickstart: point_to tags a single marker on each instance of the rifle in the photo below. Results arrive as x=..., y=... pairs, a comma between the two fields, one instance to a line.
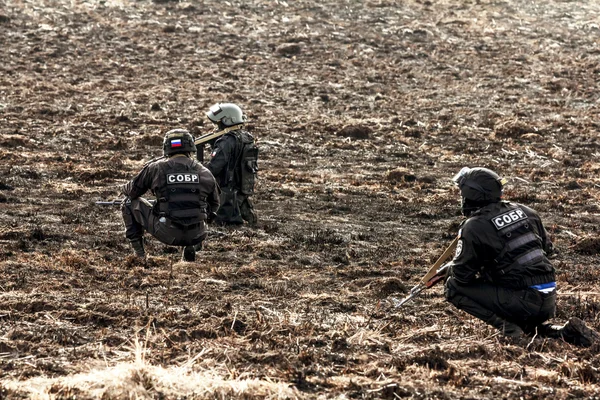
x=202, y=140
x=436, y=273
x=118, y=202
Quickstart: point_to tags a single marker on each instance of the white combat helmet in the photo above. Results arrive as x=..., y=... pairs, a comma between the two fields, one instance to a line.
x=227, y=114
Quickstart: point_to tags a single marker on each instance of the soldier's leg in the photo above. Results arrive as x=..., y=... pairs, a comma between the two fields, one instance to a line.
x=486, y=302
x=247, y=210
x=229, y=211
x=578, y=333
x=542, y=306
x=169, y=233
x=136, y=215
x=575, y=331
x=189, y=252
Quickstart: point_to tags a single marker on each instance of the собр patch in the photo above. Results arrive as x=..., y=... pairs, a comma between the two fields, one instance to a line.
x=182, y=178
x=503, y=220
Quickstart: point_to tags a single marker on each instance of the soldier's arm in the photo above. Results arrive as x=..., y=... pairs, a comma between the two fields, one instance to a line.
x=220, y=156
x=138, y=185
x=466, y=263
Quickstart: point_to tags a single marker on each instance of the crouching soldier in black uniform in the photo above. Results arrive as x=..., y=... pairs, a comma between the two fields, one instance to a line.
x=186, y=196
x=234, y=163
x=500, y=272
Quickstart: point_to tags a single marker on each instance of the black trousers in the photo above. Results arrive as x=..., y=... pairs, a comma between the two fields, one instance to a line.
x=235, y=208
x=138, y=218
x=527, y=308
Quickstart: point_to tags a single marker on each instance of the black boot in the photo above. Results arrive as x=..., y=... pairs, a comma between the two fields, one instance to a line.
x=189, y=253
x=138, y=247
x=576, y=332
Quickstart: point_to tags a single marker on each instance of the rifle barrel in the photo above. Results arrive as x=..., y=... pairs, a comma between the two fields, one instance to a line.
x=110, y=203
x=434, y=275
x=413, y=293
x=119, y=202
x=212, y=135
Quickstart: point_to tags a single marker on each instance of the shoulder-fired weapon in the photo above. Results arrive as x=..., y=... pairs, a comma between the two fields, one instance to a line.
x=215, y=134
x=202, y=140
x=436, y=273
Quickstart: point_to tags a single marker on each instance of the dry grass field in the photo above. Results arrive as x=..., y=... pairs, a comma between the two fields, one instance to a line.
x=363, y=111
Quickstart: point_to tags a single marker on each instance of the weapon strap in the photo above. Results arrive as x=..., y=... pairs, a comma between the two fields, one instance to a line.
x=440, y=261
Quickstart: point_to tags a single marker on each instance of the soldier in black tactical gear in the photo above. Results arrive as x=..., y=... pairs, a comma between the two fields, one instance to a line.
x=500, y=272
x=234, y=163
x=186, y=193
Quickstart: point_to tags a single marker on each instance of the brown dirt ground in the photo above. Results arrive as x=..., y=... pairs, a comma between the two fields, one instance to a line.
x=363, y=111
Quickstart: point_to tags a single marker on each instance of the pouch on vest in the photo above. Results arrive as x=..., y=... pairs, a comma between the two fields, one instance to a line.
x=179, y=195
x=248, y=164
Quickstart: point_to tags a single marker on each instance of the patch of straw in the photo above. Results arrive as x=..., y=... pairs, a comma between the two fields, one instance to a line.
x=140, y=380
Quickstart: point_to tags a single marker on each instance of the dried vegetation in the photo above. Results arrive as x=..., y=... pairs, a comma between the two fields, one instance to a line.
x=363, y=110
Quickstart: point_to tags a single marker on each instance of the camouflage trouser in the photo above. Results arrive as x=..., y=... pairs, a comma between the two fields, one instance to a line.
x=503, y=308
x=138, y=217
x=235, y=208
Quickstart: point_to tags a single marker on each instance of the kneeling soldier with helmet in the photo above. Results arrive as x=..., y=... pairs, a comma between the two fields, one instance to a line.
x=500, y=272
x=187, y=196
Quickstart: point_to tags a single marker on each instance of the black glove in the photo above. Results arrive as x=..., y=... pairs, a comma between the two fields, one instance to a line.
x=211, y=217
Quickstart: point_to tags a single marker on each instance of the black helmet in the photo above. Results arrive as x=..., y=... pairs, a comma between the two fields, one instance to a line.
x=478, y=187
x=178, y=141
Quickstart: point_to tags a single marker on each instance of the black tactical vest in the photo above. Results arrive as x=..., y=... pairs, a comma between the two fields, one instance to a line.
x=522, y=261
x=179, y=194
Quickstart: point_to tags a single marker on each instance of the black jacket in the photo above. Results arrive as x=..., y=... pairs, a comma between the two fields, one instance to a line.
x=505, y=244
x=196, y=190
x=223, y=156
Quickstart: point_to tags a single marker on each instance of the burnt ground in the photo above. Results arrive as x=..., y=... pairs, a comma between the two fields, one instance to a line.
x=363, y=111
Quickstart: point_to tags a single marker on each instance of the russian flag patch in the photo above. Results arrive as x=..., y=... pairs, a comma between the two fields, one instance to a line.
x=176, y=143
